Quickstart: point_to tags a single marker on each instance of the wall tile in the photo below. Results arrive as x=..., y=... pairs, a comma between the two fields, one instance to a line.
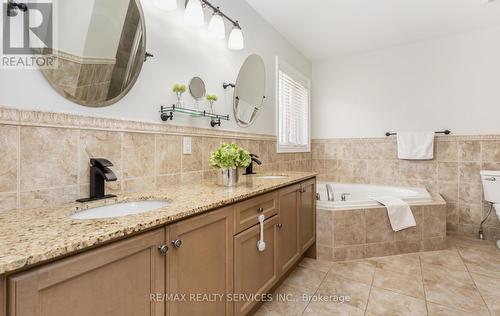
x=490, y=151
x=469, y=151
x=447, y=151
x=48, y=157
x=8, y=201
x=349, y=227
x=378, y=226
x=469, y=192
x=448, y=171
x=8, y=158
x=470, y=171
x=349, y=253
x=139, y=184
x=163, y=182
x=138, y=155
x=434, y=221
x=100, y=144
x=324, y=224
x=49, y=197
x=209, y=145
x=470, y=214
x=193, y=162
x=168, y=154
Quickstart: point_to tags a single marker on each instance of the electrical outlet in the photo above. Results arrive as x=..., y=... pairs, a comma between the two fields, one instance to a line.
x=186, y=146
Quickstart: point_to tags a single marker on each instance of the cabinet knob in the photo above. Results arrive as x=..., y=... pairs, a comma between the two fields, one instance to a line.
x=260, y=210
x=280, y=226
x=177, y=243
x=163, y=249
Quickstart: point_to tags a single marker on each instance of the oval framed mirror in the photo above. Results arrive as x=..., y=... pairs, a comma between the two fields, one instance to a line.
x=100, y=50
x=197, y=88
x=249, y=91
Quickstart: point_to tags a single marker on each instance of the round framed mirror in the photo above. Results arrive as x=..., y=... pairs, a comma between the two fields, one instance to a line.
x=197, y=88
x=249, y=91
x=100, y=50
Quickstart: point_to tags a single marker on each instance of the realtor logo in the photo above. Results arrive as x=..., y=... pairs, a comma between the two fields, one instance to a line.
x=27, y=34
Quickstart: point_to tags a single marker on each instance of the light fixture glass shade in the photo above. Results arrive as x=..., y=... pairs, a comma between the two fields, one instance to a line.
x=236, y=41
x=166, y=5
x=194, y=13
x=216, y=28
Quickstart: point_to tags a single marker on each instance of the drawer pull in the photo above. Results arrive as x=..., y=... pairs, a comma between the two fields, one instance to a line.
x=261, y=244
x=177, y=243
x=163, y=249
x=280, y=226
x=260, y=210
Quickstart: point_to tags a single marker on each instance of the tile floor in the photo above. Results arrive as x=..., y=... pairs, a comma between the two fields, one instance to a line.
x=464, y=279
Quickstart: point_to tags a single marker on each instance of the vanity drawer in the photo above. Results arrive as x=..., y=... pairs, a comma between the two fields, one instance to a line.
x=247, y=212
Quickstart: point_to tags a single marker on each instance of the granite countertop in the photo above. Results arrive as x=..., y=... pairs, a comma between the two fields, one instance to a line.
x=32, y=236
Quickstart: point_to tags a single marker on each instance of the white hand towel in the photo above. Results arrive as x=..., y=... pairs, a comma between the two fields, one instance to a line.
x=245, y=111
x=416, y=145
x=400, y=214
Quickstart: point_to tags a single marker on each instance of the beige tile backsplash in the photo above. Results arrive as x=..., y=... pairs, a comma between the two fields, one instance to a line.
x=44, y=161
x=454, y=173
x=44, y=158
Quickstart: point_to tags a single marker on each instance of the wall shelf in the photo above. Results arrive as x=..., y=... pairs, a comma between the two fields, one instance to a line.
x=167, y=113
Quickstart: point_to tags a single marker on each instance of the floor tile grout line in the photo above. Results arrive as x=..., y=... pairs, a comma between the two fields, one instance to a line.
x=371, y=287
x=474, y=281
x=315, y=293
x=423, y=284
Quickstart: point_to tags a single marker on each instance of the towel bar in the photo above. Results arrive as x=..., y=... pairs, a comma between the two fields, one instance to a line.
x=446, y=132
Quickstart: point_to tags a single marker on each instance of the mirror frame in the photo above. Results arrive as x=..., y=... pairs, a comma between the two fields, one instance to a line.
x=133, y=80
x=235, y=97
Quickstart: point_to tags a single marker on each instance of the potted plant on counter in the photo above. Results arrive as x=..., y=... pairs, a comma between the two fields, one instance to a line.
x=228, y=158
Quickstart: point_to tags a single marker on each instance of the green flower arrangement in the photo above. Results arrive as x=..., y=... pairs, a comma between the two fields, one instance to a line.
x=179, y=88
x=212, y=98
x=230, y=156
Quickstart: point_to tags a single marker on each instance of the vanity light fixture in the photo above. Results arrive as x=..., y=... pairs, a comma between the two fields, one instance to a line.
x=236, y=41
x=194, y=15
x=216, y=27
x=166, y=5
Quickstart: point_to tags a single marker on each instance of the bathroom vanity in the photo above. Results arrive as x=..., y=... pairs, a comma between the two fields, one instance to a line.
x=198, y=260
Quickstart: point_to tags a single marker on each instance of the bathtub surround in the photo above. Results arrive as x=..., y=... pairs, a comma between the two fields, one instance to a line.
x=45, y=156
x=365, y=233
x=454, y=173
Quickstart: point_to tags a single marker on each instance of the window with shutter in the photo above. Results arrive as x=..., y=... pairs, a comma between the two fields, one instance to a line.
x=293, y=95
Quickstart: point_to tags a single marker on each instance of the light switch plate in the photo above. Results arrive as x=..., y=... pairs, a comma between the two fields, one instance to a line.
x=186, y=146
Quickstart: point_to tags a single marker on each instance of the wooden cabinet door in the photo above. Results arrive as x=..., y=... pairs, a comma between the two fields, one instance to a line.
x=288, y=237
x=255, y=272
x=113, y=280
x=307, y=215
x=202, y=264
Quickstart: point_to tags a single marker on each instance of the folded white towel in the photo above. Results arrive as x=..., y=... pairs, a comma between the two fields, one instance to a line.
x=400, y=214
x=416, y=145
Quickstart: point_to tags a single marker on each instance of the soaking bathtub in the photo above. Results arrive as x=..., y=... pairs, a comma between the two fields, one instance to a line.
x=359, y=227
x=359, y=195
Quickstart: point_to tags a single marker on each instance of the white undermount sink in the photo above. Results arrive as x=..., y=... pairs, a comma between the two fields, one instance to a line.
x=119, y=209
x=272, y=177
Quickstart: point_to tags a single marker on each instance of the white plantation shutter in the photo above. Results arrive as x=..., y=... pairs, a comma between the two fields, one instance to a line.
x=293, y=110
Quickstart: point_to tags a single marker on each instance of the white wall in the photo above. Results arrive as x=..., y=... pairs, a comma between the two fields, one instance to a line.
x=451, y=82
x=180, y=53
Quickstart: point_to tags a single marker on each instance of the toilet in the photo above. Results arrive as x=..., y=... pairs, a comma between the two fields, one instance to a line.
x=491, y=188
